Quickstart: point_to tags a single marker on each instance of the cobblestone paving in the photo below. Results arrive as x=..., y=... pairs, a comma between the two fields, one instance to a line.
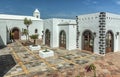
x=64, y=64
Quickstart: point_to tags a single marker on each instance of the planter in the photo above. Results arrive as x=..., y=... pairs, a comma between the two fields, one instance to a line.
x=23, y=37
x=34, y=47
x=46, y=53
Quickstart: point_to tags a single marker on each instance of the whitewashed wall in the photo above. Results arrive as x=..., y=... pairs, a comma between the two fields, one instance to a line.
x=3, y=35
x=113, y=24
x=36, y=25
x=54, y=25
x=72, y=37
x=10, y=24
x=89, y=22
x=48, y=23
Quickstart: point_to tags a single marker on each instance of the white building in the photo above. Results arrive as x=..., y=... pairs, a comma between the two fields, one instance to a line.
x=15, y=24
x=54, y=32
x=98, y=32
x=60, y=33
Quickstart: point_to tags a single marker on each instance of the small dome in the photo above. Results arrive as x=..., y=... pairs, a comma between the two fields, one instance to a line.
x=36, y=10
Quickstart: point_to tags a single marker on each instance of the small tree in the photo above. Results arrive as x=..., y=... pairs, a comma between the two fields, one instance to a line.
x=27, y=23
x=34, y=37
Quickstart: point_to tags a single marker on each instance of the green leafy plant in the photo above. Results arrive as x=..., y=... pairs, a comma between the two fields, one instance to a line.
x=91, y=67
x=34, y=37
x=27, y=22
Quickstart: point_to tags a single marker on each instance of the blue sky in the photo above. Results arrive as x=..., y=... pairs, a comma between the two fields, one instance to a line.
x=59, y=8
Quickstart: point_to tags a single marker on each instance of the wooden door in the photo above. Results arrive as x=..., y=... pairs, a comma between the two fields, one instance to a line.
x=62, y=41
x=15, y=33
x=87, y=41
x=109, y=42
x=47, y=37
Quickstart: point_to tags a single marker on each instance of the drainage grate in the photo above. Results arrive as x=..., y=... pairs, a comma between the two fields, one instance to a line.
x=6, y=63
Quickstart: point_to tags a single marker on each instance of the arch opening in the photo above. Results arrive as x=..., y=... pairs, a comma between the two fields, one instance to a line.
x=87, y=41
x=15, y=33
x=47, y=37
x=109, y=42
x=62, y=39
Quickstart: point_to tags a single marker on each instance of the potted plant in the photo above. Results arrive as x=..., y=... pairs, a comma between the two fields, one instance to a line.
x=34, y=37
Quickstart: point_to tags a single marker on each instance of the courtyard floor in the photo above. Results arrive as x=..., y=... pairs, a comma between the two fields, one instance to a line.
x=64, y=64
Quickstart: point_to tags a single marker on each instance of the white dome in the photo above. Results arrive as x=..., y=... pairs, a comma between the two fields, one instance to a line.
x=36, y=10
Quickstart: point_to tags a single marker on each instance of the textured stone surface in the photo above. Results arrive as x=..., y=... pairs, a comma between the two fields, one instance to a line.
x=106, y=66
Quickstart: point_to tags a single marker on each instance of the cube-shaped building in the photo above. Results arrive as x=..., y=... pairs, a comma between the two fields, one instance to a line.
x=98, y=32
x=60, y=33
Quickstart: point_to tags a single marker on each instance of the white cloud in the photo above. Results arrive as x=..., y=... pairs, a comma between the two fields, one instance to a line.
x=87, y=2
x=94, y=2
x=118, y=2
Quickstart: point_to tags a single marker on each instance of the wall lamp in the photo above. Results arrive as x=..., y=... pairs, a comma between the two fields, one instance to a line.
x=42, y=31
x=94, y=33
x=117, y=33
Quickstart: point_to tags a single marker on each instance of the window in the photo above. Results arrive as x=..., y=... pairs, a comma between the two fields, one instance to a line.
x=36, y=31
x=37, y=16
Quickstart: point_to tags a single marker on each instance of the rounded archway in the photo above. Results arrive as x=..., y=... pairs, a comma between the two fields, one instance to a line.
x=109, y=41
x=62, y=39
x=15, y=33
x=47, y=37
x=87, y=41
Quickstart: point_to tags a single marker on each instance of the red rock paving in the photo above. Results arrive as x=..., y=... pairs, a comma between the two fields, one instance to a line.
x=108, y=65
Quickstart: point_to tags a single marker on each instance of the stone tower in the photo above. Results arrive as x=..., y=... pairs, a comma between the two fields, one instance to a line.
x=36, y=13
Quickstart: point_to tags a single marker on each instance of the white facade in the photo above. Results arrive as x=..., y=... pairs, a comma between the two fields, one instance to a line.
x=3, y=35
x=9, y=22
x=97, y=32
x=113, y=24
x=99, y=24
x=55, y=26
x=89, y=22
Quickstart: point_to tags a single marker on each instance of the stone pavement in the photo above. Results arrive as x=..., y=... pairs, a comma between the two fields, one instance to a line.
x=109, y=65
x=64, y=64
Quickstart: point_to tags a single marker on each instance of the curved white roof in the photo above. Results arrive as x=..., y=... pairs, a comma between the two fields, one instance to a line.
x=36, y=10
x=17, y=17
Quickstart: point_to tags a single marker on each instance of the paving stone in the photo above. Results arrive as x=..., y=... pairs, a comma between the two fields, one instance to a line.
x=116, y=75
x=106, y=66
x=107, y=75
x=110, y=63
x=97, y=67
x=106, y=71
